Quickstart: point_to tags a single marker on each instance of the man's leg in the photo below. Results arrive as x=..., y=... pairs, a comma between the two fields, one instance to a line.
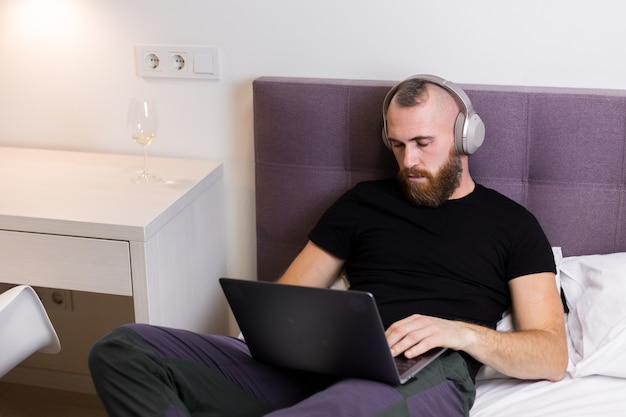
x=142, y=370
x=443, y=389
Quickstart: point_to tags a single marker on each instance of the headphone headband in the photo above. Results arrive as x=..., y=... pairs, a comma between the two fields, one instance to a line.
x=469, y=129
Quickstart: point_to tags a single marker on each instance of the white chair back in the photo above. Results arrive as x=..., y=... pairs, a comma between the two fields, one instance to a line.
x=25, y=327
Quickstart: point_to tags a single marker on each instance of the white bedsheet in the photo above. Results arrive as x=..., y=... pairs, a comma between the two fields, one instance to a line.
x=590, y=396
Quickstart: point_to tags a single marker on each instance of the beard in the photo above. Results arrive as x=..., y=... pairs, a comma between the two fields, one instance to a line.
x=437, y=188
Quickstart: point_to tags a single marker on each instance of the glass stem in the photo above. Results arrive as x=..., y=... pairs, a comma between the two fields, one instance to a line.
x=145, y=160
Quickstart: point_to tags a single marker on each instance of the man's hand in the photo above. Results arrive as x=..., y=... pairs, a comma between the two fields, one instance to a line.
x=418, y=334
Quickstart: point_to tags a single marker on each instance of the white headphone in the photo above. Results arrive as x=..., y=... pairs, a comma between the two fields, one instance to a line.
x=469, y=129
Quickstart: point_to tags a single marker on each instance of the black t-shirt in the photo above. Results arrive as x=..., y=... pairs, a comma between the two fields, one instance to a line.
x=453, y=261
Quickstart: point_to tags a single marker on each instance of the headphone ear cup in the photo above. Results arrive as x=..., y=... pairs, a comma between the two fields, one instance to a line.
x=475, y=134
x=459, y=144
x=467, y=145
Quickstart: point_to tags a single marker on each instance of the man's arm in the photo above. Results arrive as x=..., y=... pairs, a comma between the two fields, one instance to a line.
x=536, y=350
x=313, y=267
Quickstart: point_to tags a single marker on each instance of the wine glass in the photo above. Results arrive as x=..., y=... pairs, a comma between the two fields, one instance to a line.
x=143, y=123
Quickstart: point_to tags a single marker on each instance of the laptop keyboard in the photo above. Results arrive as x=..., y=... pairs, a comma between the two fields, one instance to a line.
x=403, y=363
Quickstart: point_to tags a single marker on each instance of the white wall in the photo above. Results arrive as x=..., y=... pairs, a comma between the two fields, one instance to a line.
x=67, y=66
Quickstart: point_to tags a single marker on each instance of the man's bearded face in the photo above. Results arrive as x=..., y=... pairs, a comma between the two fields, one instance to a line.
x=437, y=188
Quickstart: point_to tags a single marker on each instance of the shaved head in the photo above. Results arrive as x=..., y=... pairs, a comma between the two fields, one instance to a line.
x=416, y=92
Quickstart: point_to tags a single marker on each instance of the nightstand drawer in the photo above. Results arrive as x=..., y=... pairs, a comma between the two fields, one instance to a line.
x=67, y=262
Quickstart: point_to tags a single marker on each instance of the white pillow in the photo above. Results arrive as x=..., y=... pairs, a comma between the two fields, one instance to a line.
x=595, y=287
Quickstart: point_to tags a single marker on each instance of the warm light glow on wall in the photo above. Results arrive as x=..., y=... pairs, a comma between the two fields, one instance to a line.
x=47, y=20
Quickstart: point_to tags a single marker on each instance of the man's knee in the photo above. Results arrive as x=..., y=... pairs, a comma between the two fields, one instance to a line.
x=114, y=350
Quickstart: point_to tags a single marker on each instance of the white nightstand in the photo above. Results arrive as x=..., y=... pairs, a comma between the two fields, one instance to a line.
x=75, y=220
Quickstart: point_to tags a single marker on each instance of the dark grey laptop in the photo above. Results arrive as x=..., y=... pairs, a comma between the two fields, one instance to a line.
x=319, y=330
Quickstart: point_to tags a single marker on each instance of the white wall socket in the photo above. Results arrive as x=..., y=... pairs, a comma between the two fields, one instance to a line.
x=177, y=61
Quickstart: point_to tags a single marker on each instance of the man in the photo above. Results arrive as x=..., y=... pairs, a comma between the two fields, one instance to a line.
x=444, y=258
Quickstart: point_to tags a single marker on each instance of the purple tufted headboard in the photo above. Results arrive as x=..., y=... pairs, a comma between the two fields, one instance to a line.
x=559, y=152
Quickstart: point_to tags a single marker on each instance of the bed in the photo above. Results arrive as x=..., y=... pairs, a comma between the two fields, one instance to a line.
x=560, y=152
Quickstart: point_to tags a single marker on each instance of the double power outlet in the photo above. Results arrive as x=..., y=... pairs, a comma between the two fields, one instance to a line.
x=177, y=61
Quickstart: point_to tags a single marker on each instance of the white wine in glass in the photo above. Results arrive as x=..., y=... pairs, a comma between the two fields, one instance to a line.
x=143, y=124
